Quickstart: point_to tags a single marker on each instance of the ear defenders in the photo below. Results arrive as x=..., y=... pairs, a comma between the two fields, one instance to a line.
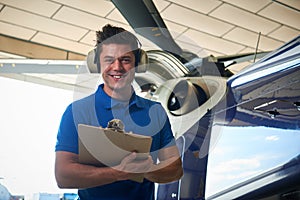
x=93, y=61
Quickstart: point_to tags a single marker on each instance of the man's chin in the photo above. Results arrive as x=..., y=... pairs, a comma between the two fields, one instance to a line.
x=120, y=86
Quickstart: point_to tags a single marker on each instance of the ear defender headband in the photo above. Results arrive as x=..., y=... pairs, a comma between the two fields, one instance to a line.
x=141, y=59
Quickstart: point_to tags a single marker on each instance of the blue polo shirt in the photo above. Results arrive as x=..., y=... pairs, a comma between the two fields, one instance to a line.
x=139, y=115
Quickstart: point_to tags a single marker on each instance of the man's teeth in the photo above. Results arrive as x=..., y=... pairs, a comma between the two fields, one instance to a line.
x=117, y=76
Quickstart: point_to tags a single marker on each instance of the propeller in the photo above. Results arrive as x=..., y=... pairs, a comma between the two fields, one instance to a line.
x=144, y=18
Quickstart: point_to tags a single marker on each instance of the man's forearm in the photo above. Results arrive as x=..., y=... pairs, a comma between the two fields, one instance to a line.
x=71, y=174
x=75, y=175
x=166, y=171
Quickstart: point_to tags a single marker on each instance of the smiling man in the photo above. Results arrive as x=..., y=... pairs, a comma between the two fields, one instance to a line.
x=117, y=66
x=118, y=54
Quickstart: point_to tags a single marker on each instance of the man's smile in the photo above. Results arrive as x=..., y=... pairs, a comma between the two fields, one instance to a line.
x=118, y=76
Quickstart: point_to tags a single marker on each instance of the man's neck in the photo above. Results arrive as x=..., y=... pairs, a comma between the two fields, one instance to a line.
x=119, y=94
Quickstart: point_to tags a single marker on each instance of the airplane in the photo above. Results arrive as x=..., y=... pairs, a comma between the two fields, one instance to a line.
x=203, y=98
x=201, y=94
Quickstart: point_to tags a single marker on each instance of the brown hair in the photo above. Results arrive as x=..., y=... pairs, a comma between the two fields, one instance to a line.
x=116, y=35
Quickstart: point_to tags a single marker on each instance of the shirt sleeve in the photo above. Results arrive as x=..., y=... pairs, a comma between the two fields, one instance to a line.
x=67, y=136
x=167, y=134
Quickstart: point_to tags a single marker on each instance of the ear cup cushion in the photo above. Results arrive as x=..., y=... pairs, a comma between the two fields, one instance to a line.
x=90, y=61
x=142, y=61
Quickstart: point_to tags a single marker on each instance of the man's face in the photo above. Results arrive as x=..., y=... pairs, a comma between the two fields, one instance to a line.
x=117, y=67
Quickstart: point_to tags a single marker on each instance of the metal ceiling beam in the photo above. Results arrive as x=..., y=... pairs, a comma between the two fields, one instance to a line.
x=35, y=51
x=42, y=66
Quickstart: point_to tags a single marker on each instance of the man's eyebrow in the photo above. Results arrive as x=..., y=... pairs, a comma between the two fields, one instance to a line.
x=125, y=56
x=122, y=56
x=107, y=56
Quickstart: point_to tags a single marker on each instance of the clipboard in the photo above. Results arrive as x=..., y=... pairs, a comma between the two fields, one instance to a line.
x=107, y=147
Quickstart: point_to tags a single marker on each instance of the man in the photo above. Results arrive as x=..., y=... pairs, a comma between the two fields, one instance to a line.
x=118, y=53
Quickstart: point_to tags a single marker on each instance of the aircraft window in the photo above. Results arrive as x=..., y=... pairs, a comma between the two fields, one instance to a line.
x=238, y=154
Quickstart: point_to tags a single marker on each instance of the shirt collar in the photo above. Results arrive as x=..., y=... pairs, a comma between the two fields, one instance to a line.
x=104, y=100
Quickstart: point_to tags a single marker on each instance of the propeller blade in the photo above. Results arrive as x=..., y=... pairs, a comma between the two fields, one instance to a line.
x=144, y=18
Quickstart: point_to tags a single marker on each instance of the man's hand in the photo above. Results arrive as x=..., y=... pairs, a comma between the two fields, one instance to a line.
x=130, y=168
x=168, y=169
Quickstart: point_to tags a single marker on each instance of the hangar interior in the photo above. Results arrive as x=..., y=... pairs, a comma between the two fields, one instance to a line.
x=65, y=29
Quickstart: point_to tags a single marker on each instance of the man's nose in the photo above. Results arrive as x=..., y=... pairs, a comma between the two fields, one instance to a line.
x=117, y=64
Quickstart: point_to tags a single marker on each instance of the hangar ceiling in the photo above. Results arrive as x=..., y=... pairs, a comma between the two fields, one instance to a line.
x=65, y=29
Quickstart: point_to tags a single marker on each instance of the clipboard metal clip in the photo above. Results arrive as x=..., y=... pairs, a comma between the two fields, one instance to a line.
x=116, y=125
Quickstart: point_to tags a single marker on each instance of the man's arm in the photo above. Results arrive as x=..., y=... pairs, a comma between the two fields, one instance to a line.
x=169, y=169
x=70, y=173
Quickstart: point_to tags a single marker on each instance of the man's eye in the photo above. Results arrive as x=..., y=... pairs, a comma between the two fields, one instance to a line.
x=126, y=60
x=109, y=60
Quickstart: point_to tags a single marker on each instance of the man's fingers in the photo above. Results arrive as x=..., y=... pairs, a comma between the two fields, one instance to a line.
x=131, y=157
x=131, y=165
